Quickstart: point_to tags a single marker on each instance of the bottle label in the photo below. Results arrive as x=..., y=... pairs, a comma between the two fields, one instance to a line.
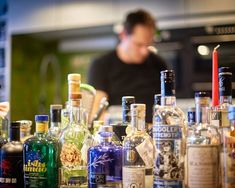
x=11, y=171
x=169, y=165
x=219, y=118
x=228, y=162
x=97, y=179
x=41, y=127
x=133, y=177
x=203, y=165
x=35, y=170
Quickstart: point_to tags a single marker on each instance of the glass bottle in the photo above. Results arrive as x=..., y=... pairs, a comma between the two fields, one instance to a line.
x=25, y=128
x=55, y=114
x=157, y=102
x=105, y=162
x=75, y=140
x=96, y=126
x=203, y=148
x=169, y=136
x=228, y=152
x=138, y=151
x=3, y=131
x=191, y=120
x=11, y=170
x=41, y=157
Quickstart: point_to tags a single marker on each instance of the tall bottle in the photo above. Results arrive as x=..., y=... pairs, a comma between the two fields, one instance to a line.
x=169, y=134
x=138, y=152
x=55, y=114
x=3, y=131
x=41, y=157
x=105, y=162
x=228, y=153
x=75, y=140
x=203, y=148
x=11, y=170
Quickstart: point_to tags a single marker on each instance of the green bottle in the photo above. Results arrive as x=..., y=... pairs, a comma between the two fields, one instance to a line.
x=41, y=157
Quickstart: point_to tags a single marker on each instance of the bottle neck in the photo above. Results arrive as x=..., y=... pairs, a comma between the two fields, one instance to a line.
x=225, y=100
x=75, y=112
x=138, y=123
x=168, y=101
x=201, y=114
x=55, y=124
x=41, y=128
x=14, y=134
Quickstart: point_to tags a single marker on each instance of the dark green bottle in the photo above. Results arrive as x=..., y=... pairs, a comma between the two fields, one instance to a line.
x=41, y=157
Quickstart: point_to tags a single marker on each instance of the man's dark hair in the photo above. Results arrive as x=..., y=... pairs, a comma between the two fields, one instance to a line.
x=138, y=17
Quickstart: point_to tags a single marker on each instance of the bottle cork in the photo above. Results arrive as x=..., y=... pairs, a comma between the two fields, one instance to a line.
x=74, y=81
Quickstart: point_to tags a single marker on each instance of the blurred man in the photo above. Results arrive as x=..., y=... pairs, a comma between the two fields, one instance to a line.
x=130, y=69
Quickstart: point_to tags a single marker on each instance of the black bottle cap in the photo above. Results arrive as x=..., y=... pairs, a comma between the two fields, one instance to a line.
x=225, y=81
x=55, y=112
x=15, y=131
x=126, y=108
x=157, y=99
x=167, y=83
x=202, y=94
x=191, y=115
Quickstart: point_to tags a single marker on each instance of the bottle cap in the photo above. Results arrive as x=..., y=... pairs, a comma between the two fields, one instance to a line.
x=225, y=81
x=126, y=103
x=223, y=70
x=74, y=77
x=55, y=112
x=157, y=99
x=106, y=128
x=74, y=81
x=138, y=110
x=55, y=107
x=15, y=124
x=202, y=94
x=41, y=118
x=167, y=83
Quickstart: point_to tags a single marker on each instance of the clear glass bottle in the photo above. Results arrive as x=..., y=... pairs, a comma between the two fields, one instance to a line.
x=25, y=130
x=55, y=114
x=105, y=162
x=75, y=141
x=138, y=151
x=41, y=157
x=203, y=148
x=169, y=135
x=191, y=121
x=3, y=131
x=228, y=152
x=11, y=169
x=157, y=103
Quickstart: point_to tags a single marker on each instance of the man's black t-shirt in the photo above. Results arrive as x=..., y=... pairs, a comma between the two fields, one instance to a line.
x=108, y=73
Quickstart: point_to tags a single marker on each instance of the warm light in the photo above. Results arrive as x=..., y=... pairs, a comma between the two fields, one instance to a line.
x=153, y=49
x=203, y=50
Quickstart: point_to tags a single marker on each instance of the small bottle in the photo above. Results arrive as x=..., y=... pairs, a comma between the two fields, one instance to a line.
x=105, y=162
x=169, y=135
x=3, y=131
x=138, y=151
x=126, y=113
x=228, y=152
x=75, y=140
x=55, y=113
x=41, y=157
x=11, y=170
x=203, y=148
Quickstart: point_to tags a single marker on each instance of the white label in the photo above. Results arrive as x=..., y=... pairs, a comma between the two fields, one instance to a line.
x=133, y=177
x=146, y=152
x=203, y=166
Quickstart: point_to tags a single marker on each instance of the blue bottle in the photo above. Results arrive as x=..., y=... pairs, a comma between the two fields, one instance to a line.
x=105, y=162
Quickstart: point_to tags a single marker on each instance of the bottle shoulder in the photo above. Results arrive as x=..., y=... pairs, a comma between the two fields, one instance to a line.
x=14, y=146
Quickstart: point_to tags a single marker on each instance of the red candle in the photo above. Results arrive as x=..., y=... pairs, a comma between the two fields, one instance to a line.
x=215, y=79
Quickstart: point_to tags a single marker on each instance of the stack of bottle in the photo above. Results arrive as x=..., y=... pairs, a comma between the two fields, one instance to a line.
x=198, y=153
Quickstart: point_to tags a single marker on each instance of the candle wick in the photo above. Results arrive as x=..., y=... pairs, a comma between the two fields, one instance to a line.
x=217, y=47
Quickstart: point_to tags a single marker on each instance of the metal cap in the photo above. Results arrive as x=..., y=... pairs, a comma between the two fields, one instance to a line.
x=15, y=124
x=225, y=70
x=106, y=128
x=56, y=107
x=138, y=110
x=41, y=118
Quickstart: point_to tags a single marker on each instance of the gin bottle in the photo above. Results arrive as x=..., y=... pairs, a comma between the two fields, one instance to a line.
x=228, y=152
x=169, y=134
x=138, y=152
x=75, y=141
x=11, y=167
x=41, y=157
x=203, y=148
x=55, y=114
x=105, y=162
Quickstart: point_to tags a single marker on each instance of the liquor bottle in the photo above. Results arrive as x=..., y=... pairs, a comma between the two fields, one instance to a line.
x=11, y=172
x=191, y=120
x=55, y=113
x=138, y=152
x=126, y=115
x=203, y=148
x=169, y=136
x=75, y=140
x=228, y=152
x=41, y=157
x=157, y=102
x=105, y=162
x=25, y=129
x=96, y=126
